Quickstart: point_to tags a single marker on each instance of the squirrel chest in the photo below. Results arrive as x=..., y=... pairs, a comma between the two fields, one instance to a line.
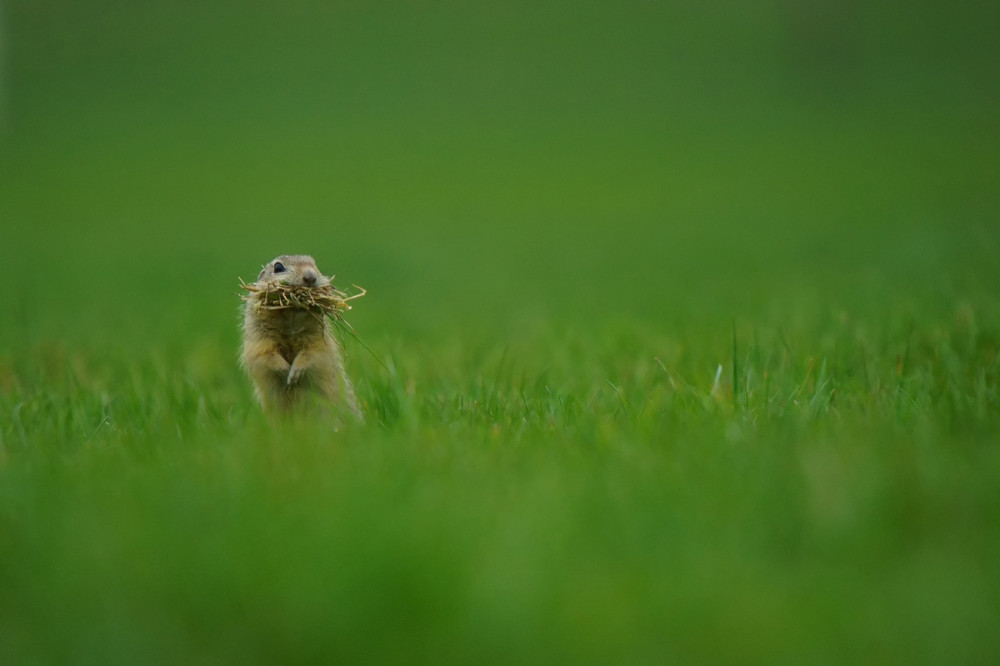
x=292, y=331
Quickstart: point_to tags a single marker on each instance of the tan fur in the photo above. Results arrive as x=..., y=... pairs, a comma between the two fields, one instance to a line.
x=292, y=355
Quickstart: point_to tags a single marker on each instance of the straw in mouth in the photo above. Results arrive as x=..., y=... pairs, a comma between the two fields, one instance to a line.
x=324, y=300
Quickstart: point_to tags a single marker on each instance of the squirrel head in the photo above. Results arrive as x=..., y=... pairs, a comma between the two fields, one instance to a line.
x=295, y=270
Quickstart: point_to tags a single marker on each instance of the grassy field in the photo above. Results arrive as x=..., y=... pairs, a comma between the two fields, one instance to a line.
x=685, y=328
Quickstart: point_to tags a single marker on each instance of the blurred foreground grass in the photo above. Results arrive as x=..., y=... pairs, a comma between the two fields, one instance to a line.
x=609, y=507
x=689, y=321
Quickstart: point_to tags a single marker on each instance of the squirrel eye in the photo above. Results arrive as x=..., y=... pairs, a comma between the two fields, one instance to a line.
x=279, y=267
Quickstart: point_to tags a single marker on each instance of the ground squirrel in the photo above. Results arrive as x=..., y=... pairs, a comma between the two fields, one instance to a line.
x=291, y=354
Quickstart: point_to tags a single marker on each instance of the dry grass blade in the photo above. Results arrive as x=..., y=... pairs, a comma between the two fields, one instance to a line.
x=324, y=300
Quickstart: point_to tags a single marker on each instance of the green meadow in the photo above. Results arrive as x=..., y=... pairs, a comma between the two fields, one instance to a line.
x=680, y=342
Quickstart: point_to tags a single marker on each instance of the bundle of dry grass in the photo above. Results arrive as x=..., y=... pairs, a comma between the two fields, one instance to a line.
x=325, y=300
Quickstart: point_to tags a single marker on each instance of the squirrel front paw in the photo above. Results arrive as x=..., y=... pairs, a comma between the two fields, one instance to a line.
x=294, y=375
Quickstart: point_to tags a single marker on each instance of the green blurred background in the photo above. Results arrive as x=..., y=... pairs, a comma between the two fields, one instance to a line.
x=558, y=208
x=493, y=166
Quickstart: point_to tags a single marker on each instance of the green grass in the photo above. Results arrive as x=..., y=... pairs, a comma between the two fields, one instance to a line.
x=686, y=324
x=610, y=504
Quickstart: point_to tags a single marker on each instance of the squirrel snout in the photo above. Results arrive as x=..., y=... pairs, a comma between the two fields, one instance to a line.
x=309, y=277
